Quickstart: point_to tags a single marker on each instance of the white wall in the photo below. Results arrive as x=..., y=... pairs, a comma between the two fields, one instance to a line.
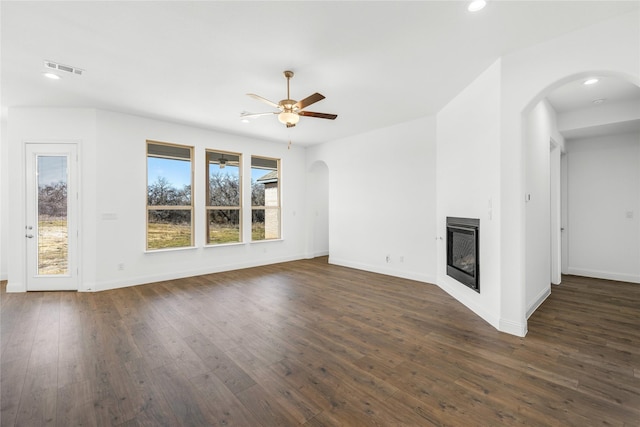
x=468, y=184
x=113, y=197
x=598, y=115
x=610, y=48
x=540, y=129
x=604, y=207
x=382, y=199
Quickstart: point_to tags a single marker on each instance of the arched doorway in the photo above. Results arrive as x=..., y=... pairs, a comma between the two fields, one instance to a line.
x=566, y=114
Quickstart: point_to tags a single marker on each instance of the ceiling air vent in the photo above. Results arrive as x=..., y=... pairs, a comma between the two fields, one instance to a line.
x=66, y=68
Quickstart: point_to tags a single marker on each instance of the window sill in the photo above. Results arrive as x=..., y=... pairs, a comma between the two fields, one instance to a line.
x=225, y=245
x=266, y=241
x=155, y=251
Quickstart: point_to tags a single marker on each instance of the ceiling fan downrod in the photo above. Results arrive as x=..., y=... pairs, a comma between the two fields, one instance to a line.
x=288, y=75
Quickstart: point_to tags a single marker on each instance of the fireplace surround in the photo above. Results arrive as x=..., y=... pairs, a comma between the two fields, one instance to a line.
x=463, y=251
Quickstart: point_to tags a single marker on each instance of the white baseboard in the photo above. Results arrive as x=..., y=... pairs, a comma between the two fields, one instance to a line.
x=513, y=328
x=317, y=254
x=135, y=281
x=411, y=275
x=543, y=295
x=607, y=275
x=461, y=294
x=13, y=287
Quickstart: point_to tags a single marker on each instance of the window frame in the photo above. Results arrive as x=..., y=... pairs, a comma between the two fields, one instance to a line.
x=264, y=207
x=208, y=208
x=189, y=207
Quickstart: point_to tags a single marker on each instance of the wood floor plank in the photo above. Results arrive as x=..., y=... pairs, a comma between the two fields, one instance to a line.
x=187, y=405
x=225, y=407
x=308, y=343
x=265, y=407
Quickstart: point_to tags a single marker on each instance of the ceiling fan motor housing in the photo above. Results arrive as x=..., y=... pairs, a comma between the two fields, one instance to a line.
x=288, y=104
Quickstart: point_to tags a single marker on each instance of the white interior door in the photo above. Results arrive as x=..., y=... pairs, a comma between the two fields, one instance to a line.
x=51, y=227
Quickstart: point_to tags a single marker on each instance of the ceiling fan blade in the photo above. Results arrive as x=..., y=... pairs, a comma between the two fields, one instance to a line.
x=318, y=115
x=312, y=99
x=266, y=101
x=245, y=114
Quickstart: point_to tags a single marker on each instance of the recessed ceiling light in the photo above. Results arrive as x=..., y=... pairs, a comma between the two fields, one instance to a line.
x=599, y=101
x=591, y=81
x=51, y=76
x=476, y=5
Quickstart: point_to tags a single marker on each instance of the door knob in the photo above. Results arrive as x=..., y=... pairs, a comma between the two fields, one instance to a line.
x=29, y=236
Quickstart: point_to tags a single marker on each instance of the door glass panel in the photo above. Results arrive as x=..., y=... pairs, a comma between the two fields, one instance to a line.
x=53, y=232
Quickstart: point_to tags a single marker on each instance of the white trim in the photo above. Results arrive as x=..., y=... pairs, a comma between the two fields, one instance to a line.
x=265, y=241
x=513, y=328
x=542, y=296
x=161, y=250
x=459, y=294
x=317, y=254
x=223, y=245
x=13, y=287
x=387, y=271
x=607, y=275
x=142, y=280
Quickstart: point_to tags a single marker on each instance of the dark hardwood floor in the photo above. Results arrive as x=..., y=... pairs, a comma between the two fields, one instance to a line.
x=307, y=343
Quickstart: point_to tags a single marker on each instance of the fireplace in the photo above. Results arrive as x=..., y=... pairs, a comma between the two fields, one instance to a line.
x=463, y=255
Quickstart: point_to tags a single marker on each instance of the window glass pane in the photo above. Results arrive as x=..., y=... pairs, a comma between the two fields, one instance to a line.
x=224, y=226
x=169, y=178
x=257, y=224
x=224, y=179
x=169, y=182
x=168, y=228
x=265, y=195
x=265, y=224
x=53, y=236
x=264, y=182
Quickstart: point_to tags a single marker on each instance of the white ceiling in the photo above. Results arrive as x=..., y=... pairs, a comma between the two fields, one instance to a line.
x=378, y=63
x=577, y=98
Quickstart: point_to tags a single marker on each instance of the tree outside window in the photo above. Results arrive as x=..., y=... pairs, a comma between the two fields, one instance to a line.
x=224, y=197
x=169, y=196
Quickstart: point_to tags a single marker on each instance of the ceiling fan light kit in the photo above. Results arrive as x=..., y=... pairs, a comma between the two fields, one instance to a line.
x=290, y=119
x=290, y=110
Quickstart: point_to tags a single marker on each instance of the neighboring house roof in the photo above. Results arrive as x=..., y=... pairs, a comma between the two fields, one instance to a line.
x=269, y=178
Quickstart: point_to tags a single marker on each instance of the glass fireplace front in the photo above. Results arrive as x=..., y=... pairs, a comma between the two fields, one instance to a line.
x=463, y=258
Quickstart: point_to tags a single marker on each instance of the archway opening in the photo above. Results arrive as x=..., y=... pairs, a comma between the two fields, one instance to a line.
x=582, y=156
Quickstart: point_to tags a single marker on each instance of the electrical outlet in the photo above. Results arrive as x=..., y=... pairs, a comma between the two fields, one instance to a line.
x=401, y=258
x=121, y=266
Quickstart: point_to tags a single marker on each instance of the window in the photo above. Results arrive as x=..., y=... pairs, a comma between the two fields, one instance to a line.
x=265, y=198
x=169, y=196
x=224, y=197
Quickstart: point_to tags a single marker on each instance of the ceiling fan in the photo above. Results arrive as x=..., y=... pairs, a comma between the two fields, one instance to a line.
x=290, y=110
